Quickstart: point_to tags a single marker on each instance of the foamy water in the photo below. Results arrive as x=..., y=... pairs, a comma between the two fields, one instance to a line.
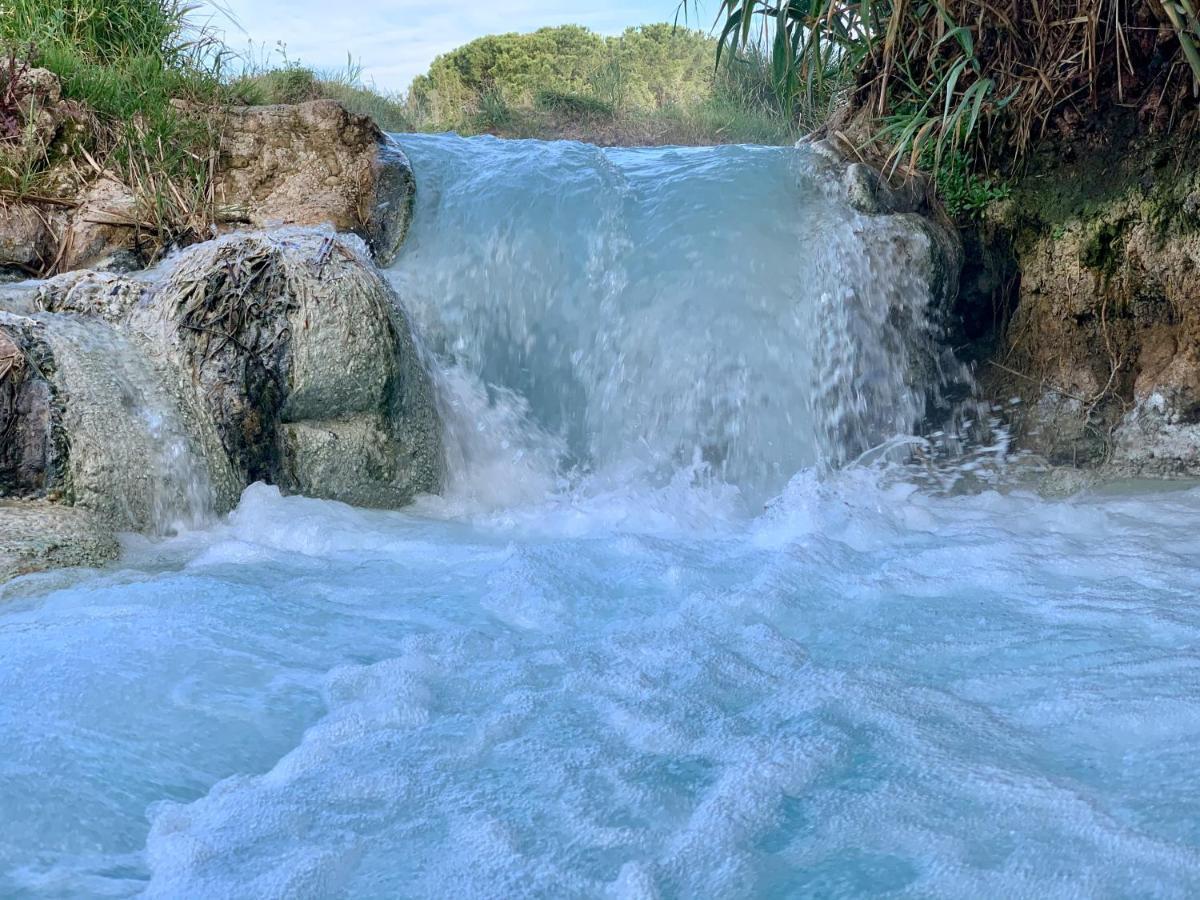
x=601, y=665
x=867, y=691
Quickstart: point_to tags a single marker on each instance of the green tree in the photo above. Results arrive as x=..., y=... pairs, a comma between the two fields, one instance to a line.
x=645, y=68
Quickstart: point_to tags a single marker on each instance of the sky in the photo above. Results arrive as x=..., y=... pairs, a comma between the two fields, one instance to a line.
x=395, y=40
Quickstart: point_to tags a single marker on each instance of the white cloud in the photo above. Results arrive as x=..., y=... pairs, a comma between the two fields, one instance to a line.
x=395, y=41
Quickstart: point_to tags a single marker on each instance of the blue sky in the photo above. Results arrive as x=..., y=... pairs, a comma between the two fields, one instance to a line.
x=395, y=40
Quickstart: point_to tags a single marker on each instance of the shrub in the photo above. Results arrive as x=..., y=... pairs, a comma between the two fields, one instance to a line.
x=584, y=107
x=645, y=68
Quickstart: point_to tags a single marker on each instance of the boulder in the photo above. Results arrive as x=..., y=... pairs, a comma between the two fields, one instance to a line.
x=35, y=536
x=1160, y=435
x=40, y=138
x=46, y=126
x=36, y=531
x=311, y=164
x=153, y=399
x=100, y=420
x=896, y=324
x=306, y=363
x=307, y=164
x=27, y=240
x=32, y=448
x=102, y=230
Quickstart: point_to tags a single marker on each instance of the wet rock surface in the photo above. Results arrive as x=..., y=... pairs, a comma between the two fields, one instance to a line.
x=32, y=443
x=37, y=535
x=290, y=328
x=151, y=400
x=1090, y=275
x=901, y=232
x=315, y=163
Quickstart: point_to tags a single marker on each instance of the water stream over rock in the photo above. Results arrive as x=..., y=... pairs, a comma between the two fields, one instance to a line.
x=658, y=636
x=659, y=308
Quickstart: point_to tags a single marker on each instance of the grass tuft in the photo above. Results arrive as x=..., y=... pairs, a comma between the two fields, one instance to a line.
x=291, y=82
x=136, y=66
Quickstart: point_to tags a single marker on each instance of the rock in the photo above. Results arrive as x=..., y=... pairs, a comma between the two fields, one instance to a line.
x=35, y=536
x=864, y=187
x=19, y=297
x=98, y=418
x=1160, y=436
x=27, y=241
x=355, y=461
x=139, y=402
x=141, y=455
x=48, y=126
x=155, y=398
x=307, y=164
x=1060, y=482
x=32, y=446
x=322, y=375
x=391, y=202
x=1151, y=441
x=107, y=295
x=47, y=130
x=896, y=231
x=102, y=230
x=1103, y=346
x=311, y=164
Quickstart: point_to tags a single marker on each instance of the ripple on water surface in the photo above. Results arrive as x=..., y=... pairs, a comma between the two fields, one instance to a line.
x=867, y=690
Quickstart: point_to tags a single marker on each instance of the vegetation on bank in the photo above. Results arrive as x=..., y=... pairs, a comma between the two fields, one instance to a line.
x=964, y=88
x=653, y=84
x=650, y=84
x=291, y=82
x=130, y=67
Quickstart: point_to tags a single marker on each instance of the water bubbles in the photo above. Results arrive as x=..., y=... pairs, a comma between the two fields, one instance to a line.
x=635, y=332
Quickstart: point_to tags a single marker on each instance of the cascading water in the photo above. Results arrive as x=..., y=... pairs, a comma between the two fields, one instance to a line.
x=656, y=308
x=597, y=667
x=135, y=461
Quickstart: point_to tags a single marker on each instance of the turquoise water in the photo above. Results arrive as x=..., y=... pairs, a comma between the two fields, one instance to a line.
x=602, y=665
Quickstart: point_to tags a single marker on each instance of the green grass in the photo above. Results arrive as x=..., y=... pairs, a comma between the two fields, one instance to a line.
x=736, y=111
x=715, y=121
x=965, y=192
x=653, y=84
x=125, y=61
x=739, y=105
x=294, y=83
x=584, y=107
x=725, y=121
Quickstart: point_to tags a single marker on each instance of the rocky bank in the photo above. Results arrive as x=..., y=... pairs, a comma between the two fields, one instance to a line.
x=139, y=400
x=1081, y=303
x=305, y=164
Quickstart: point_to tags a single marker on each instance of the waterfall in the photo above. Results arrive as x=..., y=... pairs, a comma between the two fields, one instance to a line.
x=652, y=309
x=663, y=634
